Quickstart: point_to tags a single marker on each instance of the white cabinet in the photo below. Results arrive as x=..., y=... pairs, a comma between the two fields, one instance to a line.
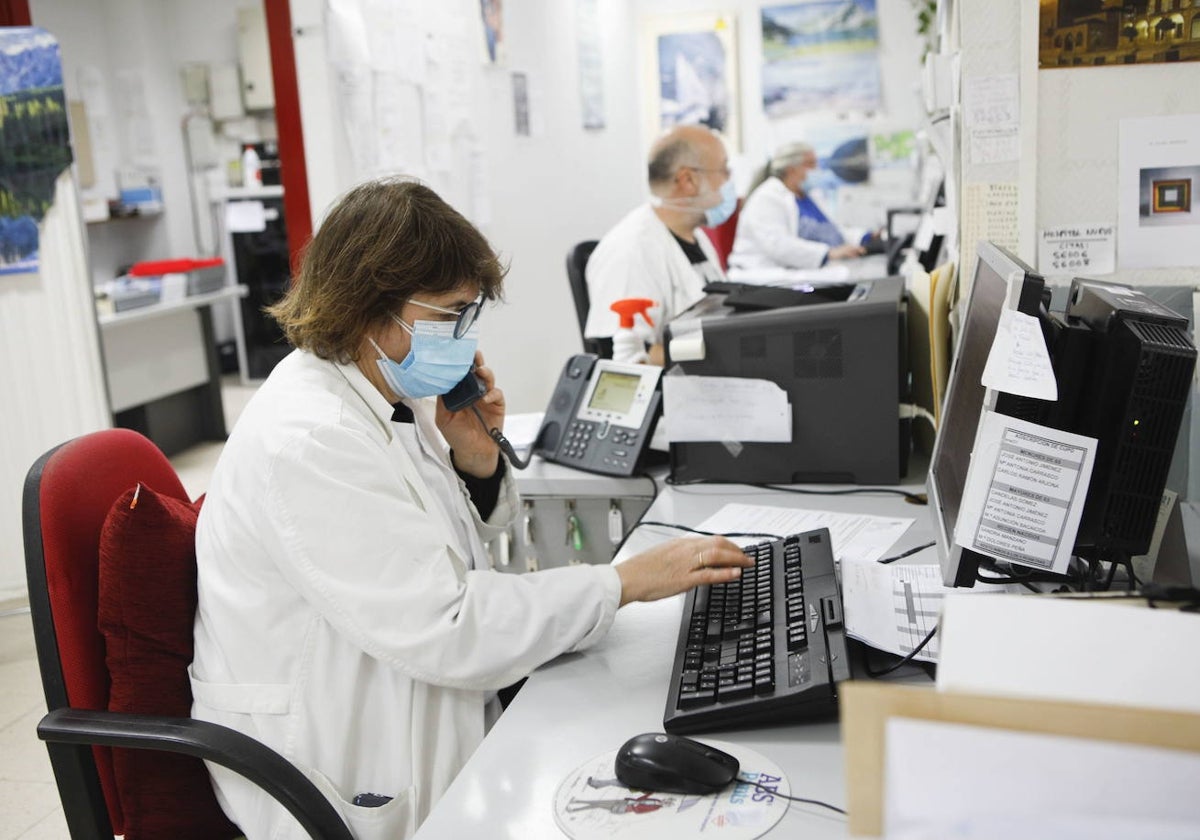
x=254, y=55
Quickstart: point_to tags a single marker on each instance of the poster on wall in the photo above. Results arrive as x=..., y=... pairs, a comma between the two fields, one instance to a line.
x=35, y=143
x=1099, y=33
x=1158, y=207
x=591, y=66
x=693, y=59
x=820, y=55
x=492, y=12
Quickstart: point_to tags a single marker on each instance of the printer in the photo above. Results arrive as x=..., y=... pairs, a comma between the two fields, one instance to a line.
x=840, y=354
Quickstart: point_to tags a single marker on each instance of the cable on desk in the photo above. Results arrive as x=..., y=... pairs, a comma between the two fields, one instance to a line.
x=908, y=553
x=908, y=658
x=763, y=787
x=713, y=533
x=911, y=498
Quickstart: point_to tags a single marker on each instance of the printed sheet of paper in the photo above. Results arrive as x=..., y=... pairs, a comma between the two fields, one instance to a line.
x=855, y=537
x=1019, y=362
x=989, y=212
x=724, y=408
x=1078, y=249
x=893, y=606
x=245, y=217
x=1024, y=492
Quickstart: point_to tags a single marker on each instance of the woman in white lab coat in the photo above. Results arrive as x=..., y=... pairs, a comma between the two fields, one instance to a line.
x=347, y=615
x=780, y=226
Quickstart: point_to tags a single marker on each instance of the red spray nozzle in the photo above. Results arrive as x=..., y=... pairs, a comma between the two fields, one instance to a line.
x=628, y=307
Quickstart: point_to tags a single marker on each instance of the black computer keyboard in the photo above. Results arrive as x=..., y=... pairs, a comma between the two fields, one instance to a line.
x=768, y=647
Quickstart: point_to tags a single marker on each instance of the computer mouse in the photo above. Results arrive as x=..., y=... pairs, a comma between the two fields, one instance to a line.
x=673, y=764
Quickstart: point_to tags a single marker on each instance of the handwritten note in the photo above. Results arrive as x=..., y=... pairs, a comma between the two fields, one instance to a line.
x=1019, y=362
x=991, y=117
x=723, y=408
x=1078, y=249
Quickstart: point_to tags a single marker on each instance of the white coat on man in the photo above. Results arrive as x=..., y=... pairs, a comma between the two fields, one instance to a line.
x=768, y=228
x=639, y=257
x=380, y=640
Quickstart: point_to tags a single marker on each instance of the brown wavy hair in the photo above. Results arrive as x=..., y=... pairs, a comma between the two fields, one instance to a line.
x=384, y=242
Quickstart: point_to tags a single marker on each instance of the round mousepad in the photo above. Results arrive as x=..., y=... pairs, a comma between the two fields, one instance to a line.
x=592, y=805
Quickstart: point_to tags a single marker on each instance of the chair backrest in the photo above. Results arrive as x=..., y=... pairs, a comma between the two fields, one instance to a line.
x=68, y=494
x=577, y=259
x=722, y=236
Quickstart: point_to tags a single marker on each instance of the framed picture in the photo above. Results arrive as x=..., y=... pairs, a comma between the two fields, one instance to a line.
x=1173, y=196
x=820, y=55
x=689, y=65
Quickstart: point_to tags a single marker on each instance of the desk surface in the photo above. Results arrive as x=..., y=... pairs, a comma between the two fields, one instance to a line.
x=581, y=705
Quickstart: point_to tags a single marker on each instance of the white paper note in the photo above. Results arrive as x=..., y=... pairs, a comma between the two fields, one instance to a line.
x=1078, y=249
x=1024, y=492
x=725, y=408
x=1019, y=362
x=245, y=217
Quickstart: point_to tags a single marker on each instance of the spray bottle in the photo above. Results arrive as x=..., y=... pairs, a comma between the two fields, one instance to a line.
x=628, y=346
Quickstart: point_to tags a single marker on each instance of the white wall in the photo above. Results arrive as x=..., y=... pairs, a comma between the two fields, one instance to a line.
x=550, y=191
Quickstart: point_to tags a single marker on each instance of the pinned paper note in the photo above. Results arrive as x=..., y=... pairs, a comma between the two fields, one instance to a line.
x=1024, y=492
x=246, y=217
x=1019, y=362
x=722, y=408
x=1078, y=249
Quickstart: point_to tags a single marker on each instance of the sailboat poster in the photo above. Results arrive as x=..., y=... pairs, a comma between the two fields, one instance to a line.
x=821, y=55
x=693, y=58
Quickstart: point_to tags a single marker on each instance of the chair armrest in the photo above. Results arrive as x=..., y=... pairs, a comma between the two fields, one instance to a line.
x=210, y=742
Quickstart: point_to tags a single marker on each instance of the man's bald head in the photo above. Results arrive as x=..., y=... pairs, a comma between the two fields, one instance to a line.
x=686, y=145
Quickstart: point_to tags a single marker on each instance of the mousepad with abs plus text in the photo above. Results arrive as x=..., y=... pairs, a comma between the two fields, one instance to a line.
x=592, y=805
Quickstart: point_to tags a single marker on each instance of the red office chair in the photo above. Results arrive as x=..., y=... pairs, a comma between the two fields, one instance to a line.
x=722, y=236
x=130, y=568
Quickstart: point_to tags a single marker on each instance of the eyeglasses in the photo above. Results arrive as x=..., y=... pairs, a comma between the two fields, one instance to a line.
x=467, y=316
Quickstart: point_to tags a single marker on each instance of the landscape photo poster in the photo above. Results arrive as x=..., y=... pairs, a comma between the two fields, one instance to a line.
x=820, y=55
x=35, y=141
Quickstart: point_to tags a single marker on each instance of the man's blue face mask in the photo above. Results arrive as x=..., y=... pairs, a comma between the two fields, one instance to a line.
x=436, y=362
x=714, y=216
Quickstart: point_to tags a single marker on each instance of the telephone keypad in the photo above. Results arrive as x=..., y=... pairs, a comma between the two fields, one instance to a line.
x=578, y=435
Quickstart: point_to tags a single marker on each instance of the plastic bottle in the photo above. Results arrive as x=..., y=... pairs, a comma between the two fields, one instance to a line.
x=251, y=168
x=628, y=346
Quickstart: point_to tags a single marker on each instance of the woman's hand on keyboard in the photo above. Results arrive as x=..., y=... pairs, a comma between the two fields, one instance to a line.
x=678, y=566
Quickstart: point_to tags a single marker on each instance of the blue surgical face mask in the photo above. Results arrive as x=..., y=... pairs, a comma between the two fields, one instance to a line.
x=714, y=216
x=436, y=362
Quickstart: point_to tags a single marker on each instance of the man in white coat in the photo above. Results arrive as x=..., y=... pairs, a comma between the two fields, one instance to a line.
x=347, y=614
x=657, y=250
x=780, y=226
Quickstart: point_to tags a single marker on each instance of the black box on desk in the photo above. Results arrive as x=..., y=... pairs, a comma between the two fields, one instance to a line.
x=843, y=365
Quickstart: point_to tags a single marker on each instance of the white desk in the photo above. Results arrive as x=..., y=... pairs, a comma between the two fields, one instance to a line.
x=582, y=705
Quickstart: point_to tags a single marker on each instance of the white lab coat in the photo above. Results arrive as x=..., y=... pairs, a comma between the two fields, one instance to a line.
x=347, y=616
x=640, y=258
x=766, y=232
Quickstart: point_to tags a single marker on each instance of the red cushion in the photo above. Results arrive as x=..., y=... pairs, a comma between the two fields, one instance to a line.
x=147, y=602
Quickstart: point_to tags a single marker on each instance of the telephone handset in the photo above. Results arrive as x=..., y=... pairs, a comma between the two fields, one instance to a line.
x=601, y=416
x=464, y=395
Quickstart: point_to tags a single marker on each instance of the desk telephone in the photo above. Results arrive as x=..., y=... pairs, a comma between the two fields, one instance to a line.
x=601, y=416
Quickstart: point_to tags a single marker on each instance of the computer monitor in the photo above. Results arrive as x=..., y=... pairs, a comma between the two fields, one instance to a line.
x=966, y=397
x=1123, y=365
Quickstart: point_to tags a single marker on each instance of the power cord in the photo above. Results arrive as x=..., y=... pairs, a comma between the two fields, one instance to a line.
x=761, y=786
x=910, y=410
x=908, y=553
x=911, y=498
x=904, y=661
x=710, y=533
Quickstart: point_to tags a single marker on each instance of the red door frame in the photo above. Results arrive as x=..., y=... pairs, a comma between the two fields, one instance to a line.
x=15, y=13
x=292, y=166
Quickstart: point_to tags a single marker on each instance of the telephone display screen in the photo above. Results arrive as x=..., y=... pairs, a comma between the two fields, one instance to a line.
x=614, y=392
